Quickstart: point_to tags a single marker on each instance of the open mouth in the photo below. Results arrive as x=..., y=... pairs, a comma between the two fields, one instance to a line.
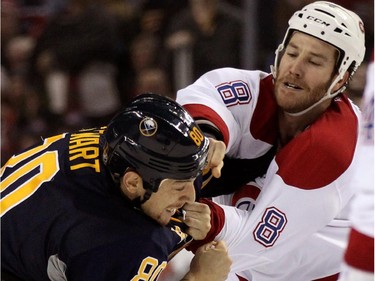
x=292, y=86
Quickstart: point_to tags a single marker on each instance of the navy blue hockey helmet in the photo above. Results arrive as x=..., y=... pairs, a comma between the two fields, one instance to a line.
x=158, y=138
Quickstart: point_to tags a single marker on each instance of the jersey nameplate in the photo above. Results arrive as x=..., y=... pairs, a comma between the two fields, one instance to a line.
x=84, y=150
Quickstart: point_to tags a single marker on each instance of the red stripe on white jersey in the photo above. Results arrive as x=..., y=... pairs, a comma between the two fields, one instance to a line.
x=326, y=148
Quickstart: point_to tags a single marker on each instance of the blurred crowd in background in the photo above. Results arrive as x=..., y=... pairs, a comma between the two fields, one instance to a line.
x=71, y=64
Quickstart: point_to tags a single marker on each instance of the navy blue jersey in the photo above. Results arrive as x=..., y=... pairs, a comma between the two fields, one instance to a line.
x=62, y=214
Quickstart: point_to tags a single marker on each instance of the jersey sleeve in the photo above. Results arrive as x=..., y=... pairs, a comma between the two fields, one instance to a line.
x=227, y=98
x=202, y=101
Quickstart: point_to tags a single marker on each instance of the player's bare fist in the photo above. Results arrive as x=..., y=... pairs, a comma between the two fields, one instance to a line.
x=210, y=263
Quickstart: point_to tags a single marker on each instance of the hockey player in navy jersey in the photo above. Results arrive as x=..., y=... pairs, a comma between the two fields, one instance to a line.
x=106, y=203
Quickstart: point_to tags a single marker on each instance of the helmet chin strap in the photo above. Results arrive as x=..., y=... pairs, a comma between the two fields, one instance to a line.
x=325, y=97
x=149, y=189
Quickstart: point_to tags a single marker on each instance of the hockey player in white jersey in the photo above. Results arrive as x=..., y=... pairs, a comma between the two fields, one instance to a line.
x=299, y=227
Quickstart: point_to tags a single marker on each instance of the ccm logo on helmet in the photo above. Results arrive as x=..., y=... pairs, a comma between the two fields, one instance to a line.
x=318, y=20
x=148, y=127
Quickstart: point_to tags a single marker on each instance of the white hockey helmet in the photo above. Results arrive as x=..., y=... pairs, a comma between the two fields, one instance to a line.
x=335, y=25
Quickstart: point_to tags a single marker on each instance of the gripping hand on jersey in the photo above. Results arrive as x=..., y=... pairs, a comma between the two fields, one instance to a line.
x=198, y=219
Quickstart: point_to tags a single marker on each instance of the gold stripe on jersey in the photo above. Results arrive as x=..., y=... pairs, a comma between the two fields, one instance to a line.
x=46, y=166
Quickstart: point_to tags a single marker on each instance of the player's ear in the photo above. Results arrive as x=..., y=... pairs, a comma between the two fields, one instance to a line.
x=341, y=82
x=131, y=184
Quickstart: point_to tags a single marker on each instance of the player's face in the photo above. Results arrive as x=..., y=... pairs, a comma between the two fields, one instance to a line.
x=171, y=196
x=304, y=73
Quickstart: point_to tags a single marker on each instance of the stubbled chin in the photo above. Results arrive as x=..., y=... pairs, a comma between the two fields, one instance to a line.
x=286, y=102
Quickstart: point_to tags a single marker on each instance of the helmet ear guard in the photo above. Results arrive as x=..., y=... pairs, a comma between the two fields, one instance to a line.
x=157, y=138
x=334, y=25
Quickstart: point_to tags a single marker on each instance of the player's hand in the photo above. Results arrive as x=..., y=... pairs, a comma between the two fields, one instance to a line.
x=198, y=219
x=210, y=263
x=216, y=153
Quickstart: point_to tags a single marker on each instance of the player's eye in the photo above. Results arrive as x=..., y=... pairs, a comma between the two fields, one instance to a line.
x=292, y=55
x=180, y=188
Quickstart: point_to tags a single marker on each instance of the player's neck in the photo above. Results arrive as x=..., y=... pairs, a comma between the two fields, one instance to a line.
x=288, y=129
x=290, y=126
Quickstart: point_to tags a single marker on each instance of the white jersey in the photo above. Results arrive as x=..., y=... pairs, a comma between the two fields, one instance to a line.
x=359, y=257
x=299, y=226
